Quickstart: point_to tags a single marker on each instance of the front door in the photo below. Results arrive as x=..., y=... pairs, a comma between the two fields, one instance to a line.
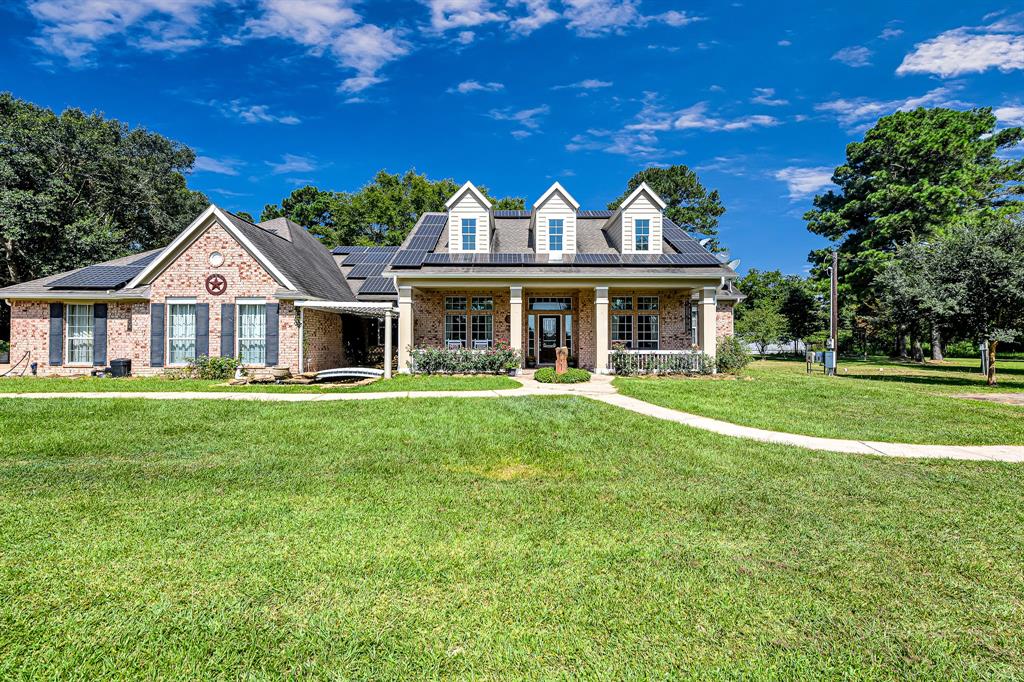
x=550, y=337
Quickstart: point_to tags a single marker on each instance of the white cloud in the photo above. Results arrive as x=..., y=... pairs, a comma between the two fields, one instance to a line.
x=676, y=18
x=1010, y=114
x=855, y=112
x=74, y=28
x=890, y=33
x=538, y=14
x=521, y=134
x=585, y=84
x=206, y=164
x=367, y=49
x=784, y=43
x=292, y=163
x=253, y=113
x=632, y=143
x=448, y=14
x=310, y=22
x=696, y=118
x=856, y=56
x=968, y=50
x=466, y=37
x=803, y=182
x=473, y=86
x=332, y=25
x=766, y=97
x=524, y=117
x=598, y=17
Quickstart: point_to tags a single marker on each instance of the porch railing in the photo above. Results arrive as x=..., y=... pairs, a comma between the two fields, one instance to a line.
x=626, y=362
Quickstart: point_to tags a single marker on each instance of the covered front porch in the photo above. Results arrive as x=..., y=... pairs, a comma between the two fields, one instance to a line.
x=589, y=318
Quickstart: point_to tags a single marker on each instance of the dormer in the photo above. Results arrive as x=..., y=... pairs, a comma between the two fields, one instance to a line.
x=636, y=226
x=469, y=221
x=554, y=222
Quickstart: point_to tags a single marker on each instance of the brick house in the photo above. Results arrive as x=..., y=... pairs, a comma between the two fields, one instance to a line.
x=274, y=296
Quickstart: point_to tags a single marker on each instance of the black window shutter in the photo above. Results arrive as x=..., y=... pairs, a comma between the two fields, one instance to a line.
x=156, y=334
x=99, y=334
x=202, y=329
x=273, y=310
x=227, y=330
x=57, y=334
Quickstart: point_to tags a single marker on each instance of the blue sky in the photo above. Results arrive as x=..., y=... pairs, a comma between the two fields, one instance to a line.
x=759, y=97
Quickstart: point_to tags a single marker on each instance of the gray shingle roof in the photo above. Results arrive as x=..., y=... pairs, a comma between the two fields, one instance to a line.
x=300, y=256
x=44, y=286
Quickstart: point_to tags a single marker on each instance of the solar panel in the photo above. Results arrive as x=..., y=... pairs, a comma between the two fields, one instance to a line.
x=511, y=214
x=597, y=258
x=436, y=259
x=145, y=260
x=364, y=270
x=422, y=243
x=344, y=250
x=409, y=259
x=595, y=214
x=378, y=286
x=98, y=277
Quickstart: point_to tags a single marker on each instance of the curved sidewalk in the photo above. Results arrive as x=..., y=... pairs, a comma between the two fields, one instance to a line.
x=599, y=389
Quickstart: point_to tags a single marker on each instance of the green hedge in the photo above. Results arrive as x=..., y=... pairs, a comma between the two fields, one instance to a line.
x=548, y=375
x=500, y=359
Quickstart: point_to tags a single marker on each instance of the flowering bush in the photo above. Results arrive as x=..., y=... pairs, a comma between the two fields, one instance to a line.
x=498, y=359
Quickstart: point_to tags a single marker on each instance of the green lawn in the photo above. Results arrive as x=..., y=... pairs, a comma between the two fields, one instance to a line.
x=516, y=538
x=878, y=400
x=401, y=382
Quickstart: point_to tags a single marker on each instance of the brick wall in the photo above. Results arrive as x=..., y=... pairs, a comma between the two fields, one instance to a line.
x=428, y=313
x=128, y=324
x=323, y=348
x=723, y=319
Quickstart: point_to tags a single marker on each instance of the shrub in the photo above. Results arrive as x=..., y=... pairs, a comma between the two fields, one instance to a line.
x=5, y=346
x=548, y=375
x=962, y=349
x=630, y=364
x=205, y=367
x=499, y=359
x=732, y=355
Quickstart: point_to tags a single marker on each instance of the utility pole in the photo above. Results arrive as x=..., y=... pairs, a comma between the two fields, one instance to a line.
x=834, y=301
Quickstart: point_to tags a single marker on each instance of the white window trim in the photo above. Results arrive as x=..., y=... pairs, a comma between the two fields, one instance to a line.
x=239, y=302
x=462, y=234
x=561, y=236
x=636, y=248
x=167, y=327
x=67, y=335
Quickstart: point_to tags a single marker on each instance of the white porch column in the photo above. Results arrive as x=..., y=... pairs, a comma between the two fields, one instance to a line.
x=405, y=327
x=515, y=321
x=707, y=320
x=601, y=333
x=387, y=343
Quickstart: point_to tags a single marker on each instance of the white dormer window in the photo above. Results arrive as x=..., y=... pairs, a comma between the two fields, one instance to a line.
x=643, y=235
x=555, y=234
x=469, y=234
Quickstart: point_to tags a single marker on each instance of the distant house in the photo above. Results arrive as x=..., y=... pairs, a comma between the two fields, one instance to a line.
x=273, y=295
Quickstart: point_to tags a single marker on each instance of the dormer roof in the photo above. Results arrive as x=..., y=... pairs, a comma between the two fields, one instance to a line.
x=557, y=187
x=644, y=187
x=468, y=187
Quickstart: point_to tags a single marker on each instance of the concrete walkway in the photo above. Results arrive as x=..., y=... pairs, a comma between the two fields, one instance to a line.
x=600, y=388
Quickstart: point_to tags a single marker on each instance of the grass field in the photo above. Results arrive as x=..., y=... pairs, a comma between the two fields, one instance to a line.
x=878, y=400
x=514, y=538
x=401, y=382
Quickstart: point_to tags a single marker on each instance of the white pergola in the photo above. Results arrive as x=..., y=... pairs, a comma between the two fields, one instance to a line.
x=381, y=310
